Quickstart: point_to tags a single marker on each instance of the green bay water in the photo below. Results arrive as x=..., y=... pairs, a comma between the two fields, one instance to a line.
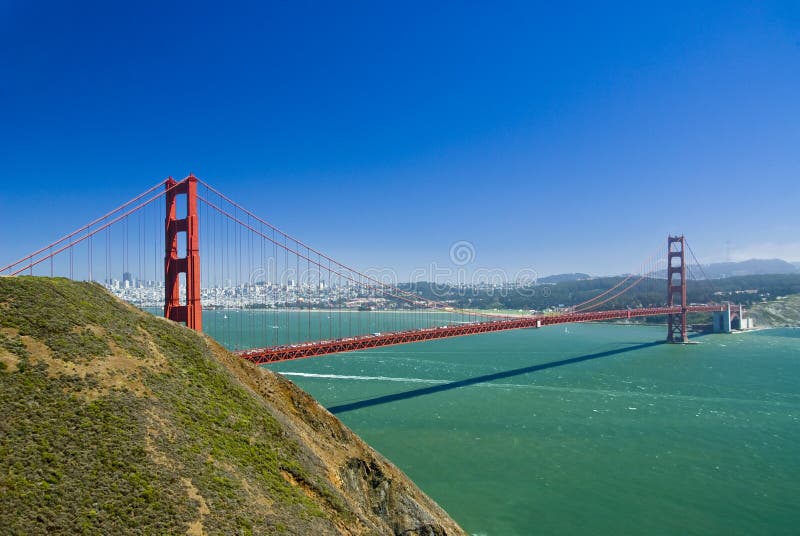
x=593, y=428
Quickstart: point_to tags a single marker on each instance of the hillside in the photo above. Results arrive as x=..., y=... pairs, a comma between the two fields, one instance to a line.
x=749, y=267
x=562, y=278
x=118, y=422
x=777, y=313
x=746, y=290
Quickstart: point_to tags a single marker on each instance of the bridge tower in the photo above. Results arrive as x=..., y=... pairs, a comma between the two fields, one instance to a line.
x=191, y=312
x=676, y=266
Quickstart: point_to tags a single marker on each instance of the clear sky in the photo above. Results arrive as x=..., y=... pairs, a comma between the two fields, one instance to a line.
x=557, y=136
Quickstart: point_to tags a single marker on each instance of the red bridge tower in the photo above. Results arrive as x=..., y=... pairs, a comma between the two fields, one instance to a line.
x=676, y=331
x=192, y=311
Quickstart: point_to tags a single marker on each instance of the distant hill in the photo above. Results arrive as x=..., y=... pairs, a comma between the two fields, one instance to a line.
x=784, y=311
x=750, y=267
x=650, y=292
x=721, y=270
x=717, y=270
x=115, y=421
x=562, y=278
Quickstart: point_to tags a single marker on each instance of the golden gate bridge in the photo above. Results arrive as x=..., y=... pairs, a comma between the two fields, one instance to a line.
x=299, y=301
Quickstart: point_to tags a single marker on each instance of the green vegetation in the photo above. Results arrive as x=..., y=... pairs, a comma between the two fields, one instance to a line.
x=213, y=432
x=115, y=421
x=783, y=311
x=740, y=289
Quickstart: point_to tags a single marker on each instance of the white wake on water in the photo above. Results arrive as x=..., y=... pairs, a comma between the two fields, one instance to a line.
x=366, y=378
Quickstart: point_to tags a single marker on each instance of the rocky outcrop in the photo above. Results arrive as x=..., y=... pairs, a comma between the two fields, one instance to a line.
x=384, y=498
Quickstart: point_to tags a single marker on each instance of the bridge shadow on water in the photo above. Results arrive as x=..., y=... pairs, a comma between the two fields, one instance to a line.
x=405, y=395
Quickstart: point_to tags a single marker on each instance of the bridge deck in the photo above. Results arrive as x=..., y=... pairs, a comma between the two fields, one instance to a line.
x=317, y=348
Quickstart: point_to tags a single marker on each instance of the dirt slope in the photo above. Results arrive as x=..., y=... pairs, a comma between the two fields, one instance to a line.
x=113, y=421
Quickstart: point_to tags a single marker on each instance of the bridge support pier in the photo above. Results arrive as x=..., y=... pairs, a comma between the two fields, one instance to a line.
x=191, y=312
x=722, y=321
x=676, y=287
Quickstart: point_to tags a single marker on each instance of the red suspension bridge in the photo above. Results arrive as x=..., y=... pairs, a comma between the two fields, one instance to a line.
x=287, y=300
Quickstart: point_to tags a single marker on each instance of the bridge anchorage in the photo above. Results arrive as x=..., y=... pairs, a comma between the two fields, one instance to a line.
x=291, y=301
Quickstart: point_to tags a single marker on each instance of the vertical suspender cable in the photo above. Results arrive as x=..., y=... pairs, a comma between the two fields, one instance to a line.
x=274, y=292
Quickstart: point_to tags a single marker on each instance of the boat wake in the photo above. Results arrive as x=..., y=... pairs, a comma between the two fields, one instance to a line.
x=364, y=378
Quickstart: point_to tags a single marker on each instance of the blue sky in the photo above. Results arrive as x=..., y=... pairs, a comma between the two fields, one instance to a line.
x=552, y=136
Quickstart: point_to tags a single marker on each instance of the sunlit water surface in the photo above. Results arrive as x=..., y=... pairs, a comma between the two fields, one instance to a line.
x=593, y=429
